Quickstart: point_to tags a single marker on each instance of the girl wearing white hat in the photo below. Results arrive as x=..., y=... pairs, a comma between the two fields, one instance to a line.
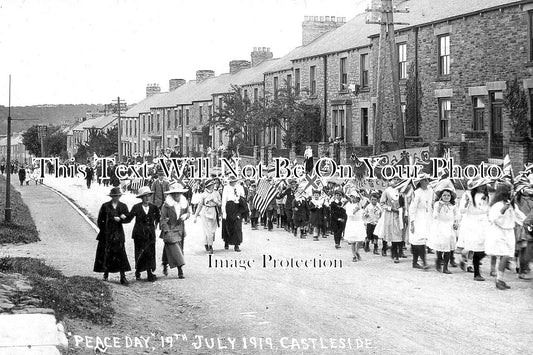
x=420, y=217
x=445, y=222
x=474, y=207
x=354, y=232
x=500, y=238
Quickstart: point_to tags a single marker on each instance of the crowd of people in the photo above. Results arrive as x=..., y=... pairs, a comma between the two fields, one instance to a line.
x=491, y=218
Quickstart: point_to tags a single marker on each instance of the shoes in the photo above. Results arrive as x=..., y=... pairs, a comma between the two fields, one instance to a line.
x=438, y=266
x=237, y=249
x=426, y=267
x=358, y=256
x=500, y=285
x=314, y=239
x=446, y=271
x=165, y=270
x=181, y=276
x=354, y=259
x=403, y=256
x=124, y=281
x=416, y=266
x=383, y=253
x=337, y=246
x=462, y=265
x=524, y=277
x=470, y=268
x=479, y=278
x=152, y=278
x=137, y=276
x=226, y=246
x=206, y=247
x=493, y=273
x=106, y=276
x=324, y=236
x=396, y=260
x=453, y=264
x=376, y=252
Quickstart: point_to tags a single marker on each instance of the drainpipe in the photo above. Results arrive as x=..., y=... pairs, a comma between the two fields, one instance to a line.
x=324, y=127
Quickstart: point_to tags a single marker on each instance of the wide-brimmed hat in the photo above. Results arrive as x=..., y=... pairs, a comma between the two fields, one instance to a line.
x=477, y=182
x=115, y=191
x=144, y=191
x=317, y=191
x=338, y=192
x=232, y=178
x=420, y=177
x=176, y=188
x=210, y=182
x=445, y=184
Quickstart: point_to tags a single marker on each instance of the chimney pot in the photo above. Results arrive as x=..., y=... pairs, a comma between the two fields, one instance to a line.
x=152, y=89
x=173, y=84
x=237, y=65
x=260, y=55
x=327, y=18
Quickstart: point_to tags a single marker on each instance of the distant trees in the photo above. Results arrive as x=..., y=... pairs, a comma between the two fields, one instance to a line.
x=55, y=141
x=298, y=121
x=100, y=142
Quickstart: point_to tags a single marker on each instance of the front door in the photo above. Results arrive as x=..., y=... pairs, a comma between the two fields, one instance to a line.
x=496, y=132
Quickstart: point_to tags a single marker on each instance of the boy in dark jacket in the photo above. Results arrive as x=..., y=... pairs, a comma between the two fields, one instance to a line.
x=300, y=211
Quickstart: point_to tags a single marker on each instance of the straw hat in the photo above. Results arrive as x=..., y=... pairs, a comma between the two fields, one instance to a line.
x=144, y=191
x=176, y=188
x=477, y=182
x=115, y=191
x=210, y=182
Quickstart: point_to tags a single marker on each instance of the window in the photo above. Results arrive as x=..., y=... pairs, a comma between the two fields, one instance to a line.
x=201, y=114
x=187, y=145
x=168, y=119
x=289, y=81
x=210, y=111
x=245, y=96
x=478, y=121
x=151, y=122
x=343, y=75
x=135, y=128
x=256, y=94
x=402, y=60
x=175, y=119
x=403, y=109
x=364, y=126
x=144, y=124
x=297, y=81
x=187, y=117
x=364, y=70
x=131, y=124
x=158, y=124
x=180, y=117
x=220, y=103
x=144, y=147
x=175, y=142
x=444, y=55
x=312, y=79
x=275, y=88
x=445, y=114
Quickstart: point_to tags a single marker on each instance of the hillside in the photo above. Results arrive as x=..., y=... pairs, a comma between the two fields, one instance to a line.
x=43, y=114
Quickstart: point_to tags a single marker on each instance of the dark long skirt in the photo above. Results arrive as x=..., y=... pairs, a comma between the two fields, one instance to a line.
x=144, y=255
x=174, y=256
x=111, y=257
x=232, y=231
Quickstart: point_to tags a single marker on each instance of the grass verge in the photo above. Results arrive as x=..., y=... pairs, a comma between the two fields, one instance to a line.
x=75, y=297
x=22, y=227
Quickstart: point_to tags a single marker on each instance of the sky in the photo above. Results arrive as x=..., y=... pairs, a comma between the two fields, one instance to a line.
x=93, y=51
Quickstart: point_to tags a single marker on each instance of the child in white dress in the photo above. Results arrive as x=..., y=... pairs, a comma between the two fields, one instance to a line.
x=354, y=232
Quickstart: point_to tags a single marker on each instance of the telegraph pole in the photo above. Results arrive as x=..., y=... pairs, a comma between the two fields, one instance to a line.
x=8, y=161
x=387, y=43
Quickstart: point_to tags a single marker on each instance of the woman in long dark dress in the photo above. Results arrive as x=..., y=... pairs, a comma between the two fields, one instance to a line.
x=233, y=207
x=146, y=216
x=111, y=252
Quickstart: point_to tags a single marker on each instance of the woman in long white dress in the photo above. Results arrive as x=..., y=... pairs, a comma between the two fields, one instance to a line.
x=208, y=203
x=420, y=217
x=500, y=238
x=445, y=222
x=392, y=230
x=354, y=232
x=474, y=207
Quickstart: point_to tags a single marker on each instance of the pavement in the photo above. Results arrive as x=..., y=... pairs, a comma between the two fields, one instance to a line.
x=372, y=306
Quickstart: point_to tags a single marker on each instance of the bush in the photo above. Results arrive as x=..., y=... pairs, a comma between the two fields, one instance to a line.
x=75, y=297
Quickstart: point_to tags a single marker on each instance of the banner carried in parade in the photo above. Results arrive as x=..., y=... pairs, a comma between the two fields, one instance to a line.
x=266, y=192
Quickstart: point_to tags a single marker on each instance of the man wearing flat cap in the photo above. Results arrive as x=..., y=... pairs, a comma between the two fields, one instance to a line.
x=159, y=187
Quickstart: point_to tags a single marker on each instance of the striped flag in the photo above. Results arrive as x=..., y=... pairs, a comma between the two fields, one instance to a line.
x=507, y=168
x=193, y=184
x=264, y=195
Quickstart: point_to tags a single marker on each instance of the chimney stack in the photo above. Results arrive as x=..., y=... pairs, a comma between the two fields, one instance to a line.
x=201, y=75
x=260, y=54
x=152, y=89
x=173, y=84
x=315, y=26
x=237, y=65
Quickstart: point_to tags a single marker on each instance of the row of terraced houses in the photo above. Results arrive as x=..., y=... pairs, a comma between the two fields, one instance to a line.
x=463, y=54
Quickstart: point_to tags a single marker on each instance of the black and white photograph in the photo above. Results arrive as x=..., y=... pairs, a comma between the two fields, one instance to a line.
x=266, y=177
